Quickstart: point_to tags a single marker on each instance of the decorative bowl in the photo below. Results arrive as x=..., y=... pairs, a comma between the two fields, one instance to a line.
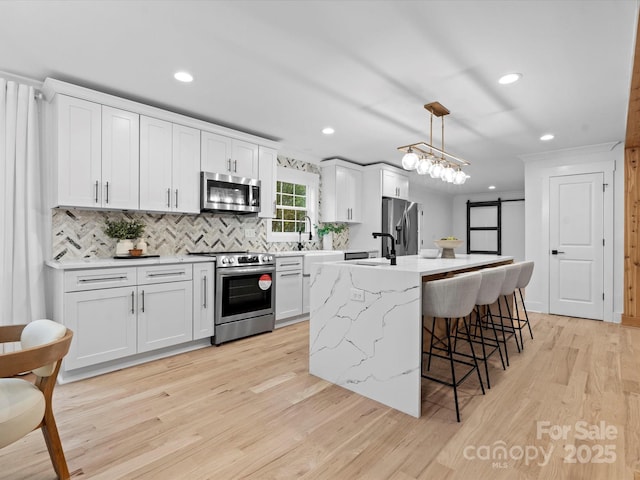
x=429, y=253
x=135, y=252
x=448, y=243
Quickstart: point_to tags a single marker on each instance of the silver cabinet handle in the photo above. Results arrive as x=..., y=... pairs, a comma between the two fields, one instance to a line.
x=289, y=264
x=165, y=274
x=132, y=302
x=289, y=274
x=142, y=301
x=235, y=166
x=96, y=191
x=204, y=305
x=176, y=198
x=229, y=165
x=107, y=200
x=103, y=279
x=168, y=198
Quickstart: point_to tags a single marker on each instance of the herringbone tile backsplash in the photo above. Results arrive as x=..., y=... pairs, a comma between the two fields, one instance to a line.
x=78, y=234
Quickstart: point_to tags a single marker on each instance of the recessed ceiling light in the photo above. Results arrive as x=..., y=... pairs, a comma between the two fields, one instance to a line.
x=328, y=131
x=509, y=78
x=546, y=137
x=492, y=187
x=183, y=77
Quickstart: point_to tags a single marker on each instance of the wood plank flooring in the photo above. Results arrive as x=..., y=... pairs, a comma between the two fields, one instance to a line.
x=250, y=409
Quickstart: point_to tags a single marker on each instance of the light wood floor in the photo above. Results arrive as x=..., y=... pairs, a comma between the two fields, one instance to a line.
x=250, y=409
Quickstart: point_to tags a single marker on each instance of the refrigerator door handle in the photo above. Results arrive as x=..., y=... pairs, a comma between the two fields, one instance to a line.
x=407, y=227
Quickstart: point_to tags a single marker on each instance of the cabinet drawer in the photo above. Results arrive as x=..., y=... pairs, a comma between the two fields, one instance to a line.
x=164, y=273
x=288, y=263
x=92, y=279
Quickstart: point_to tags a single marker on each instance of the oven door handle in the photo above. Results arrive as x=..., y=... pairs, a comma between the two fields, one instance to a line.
x=227, y=272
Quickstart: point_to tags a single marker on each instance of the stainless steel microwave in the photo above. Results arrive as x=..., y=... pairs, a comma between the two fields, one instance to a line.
x=225, y=193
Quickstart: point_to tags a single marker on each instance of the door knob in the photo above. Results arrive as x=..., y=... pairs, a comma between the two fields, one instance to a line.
x=555, y=252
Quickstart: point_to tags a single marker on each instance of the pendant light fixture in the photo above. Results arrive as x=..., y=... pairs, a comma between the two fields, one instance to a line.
x=420, y=156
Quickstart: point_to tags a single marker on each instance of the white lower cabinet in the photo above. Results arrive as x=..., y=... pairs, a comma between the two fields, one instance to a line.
x=119, y=312
x=104, y=325
x=288, y=287
x=203, y=305
x=165, y=315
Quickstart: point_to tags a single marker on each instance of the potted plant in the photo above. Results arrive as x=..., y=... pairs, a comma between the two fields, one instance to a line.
x=125, y=232
x=325, y=232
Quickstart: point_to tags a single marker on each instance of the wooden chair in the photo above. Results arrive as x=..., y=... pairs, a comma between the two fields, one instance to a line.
x=25, y=406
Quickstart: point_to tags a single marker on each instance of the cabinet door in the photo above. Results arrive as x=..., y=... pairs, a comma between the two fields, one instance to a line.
x=348, y=189
x=244, y=159
x=395, y=185
x=155, y=164
x=288, y=294
x=104, y=325
x=186, y=170
x=120, y=158
x=306, y=294
x=203, y=305
x=267, y=167
x=165, y=315
x=215, y=153
x=79, y=153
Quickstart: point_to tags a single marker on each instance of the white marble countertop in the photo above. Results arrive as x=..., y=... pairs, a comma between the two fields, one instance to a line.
x=300, y=253
x=426, y=266
x=125, y=262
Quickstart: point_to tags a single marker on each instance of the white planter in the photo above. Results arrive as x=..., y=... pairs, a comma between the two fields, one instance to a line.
x=123, y=247
x=327, y=241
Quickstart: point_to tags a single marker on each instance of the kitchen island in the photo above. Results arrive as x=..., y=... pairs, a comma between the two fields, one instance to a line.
x=365, y=331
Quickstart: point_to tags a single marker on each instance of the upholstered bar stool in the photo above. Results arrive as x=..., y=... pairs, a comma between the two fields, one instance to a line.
x=526, y=270
x=511, y=275
x=447, y=300
x=490, y=288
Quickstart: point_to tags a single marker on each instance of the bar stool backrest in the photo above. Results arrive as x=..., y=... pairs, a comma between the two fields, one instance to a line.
x=451, y=297
x=511, y=274
x=492, y=280
x=526, y=270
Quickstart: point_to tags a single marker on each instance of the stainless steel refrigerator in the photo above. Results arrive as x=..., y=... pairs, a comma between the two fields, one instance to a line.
x=400, y=219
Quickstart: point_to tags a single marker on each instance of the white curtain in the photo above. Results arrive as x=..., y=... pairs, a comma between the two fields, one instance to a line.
x=22, y=239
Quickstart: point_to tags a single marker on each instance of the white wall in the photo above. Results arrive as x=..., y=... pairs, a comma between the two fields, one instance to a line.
x=606, y=158
x=513, y=220
x=437, y=217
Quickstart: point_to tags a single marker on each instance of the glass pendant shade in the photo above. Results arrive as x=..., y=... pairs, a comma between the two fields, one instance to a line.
x=435, y=170
x=449, y=173
x=410, y=160
x=423, y=166
x=459, y=178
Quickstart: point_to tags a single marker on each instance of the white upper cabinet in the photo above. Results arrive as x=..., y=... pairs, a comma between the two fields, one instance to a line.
x=395, y=184
x=79, y=155
x=112, y=153
x=186, y=169
x=341, y=194
x=97, y=155
x=120, y=158
x=229, y=156
x=169, y=167
x=267, y=167
x=156, y=139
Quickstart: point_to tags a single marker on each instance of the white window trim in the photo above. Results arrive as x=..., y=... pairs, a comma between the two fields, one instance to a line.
x=312, y=181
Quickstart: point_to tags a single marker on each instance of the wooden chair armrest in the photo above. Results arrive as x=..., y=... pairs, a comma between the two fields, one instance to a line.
x=13, y=363
x=11, y=333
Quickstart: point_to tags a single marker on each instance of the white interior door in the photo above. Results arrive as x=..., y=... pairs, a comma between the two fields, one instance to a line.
x=576, y=237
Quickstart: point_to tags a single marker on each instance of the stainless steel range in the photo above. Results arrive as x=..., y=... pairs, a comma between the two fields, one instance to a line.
x=245, y=294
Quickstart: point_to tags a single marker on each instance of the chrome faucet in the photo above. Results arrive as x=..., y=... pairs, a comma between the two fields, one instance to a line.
x=392, y=253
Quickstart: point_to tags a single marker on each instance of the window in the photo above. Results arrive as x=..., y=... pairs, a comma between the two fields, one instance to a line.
x=291, y=208
x=296, y=197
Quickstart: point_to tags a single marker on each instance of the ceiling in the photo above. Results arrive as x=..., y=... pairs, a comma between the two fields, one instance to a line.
x=287, y=69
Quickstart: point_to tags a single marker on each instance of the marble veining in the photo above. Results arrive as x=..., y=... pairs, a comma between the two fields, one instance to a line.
x=371, y=346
